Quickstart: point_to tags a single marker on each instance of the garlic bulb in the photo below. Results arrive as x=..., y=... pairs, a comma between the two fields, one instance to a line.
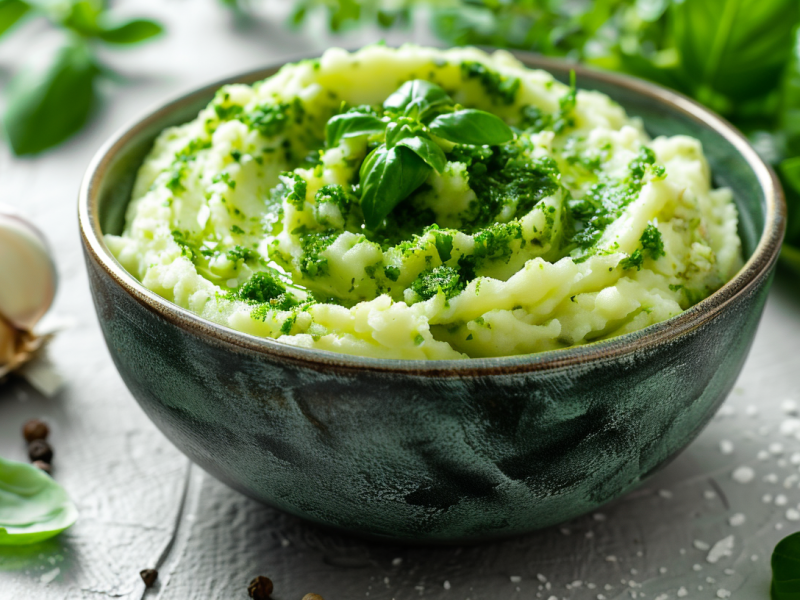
x=27, y=287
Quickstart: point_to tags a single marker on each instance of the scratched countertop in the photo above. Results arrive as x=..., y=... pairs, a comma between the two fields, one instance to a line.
x=692, y=531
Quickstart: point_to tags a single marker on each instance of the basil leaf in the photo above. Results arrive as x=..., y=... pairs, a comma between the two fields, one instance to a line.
x=389, y=176
x=786, y=569
x=737, y=48
x=82, y=18
x=417, y=98
x=474, y=127
x=348, y=125
x=132, y=32
x=33, y=507
x=417, y=141
x=11, y=11
x=427, y=150
x=45, y=108
x=396, y=132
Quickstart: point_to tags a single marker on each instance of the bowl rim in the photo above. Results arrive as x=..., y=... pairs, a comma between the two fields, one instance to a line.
x=746, y=279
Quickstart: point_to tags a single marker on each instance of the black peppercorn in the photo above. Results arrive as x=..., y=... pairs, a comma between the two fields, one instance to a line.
x=35, y=430
x=149, y=577
x=260, y=588
x=40, y=450
x=43, y=466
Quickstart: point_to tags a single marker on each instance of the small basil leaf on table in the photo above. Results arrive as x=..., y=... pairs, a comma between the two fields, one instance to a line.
x=786, y=569
x=471, y=126
x=417, y=97
x=11, y=11
x=46, y=107
x=131, y=32
x=348, y=125
x=33, y=507
x=427, y=150
x=388, y=176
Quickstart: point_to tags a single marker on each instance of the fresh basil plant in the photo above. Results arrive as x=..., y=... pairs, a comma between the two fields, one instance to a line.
x=412, y=117
x=33, y=507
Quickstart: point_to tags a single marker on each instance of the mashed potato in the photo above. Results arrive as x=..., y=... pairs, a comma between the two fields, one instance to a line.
x=579, y=228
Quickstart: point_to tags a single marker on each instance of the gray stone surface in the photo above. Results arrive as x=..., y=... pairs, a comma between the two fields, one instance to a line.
x=130, y=484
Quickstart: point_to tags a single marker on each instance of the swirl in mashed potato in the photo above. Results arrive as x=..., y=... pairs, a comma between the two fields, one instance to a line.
x=579, y=229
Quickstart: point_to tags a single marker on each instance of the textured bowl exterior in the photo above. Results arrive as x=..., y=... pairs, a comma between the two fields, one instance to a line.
x=438, y=451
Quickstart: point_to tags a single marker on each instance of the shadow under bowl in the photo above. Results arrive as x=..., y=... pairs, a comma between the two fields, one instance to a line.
x=436, y=451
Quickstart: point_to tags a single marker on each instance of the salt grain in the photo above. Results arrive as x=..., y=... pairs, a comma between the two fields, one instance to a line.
x=682, y=593
x=776, y=448
x=709, y=495
x=397, y=562
x=723, y=593
x=789, y=427
x=751, y=411
x=515, y=579
x=541, y=577
x=701, y=545
x=726, y=446
x=762, y=455
x=49, y=576
x=743, y=474
x=789, y=407
x=792, y=515
x=781, y=500
x=736, y=520
x=666, y=494
x=771, y=478
x=446, y=585
x=722, y=548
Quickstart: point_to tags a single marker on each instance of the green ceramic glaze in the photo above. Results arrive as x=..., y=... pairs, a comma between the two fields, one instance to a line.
x=435, y=451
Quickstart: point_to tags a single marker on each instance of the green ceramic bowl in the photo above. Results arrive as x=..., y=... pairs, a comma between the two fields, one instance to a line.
x=438, y=451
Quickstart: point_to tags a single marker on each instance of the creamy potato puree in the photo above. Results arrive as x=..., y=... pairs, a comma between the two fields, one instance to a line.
x=578, y=229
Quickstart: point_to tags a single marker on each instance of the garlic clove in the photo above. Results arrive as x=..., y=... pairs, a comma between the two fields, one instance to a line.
x=27, y=272
x=8, y=343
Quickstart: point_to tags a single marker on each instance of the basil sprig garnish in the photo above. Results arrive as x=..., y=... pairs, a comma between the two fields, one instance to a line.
x=412, y=116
